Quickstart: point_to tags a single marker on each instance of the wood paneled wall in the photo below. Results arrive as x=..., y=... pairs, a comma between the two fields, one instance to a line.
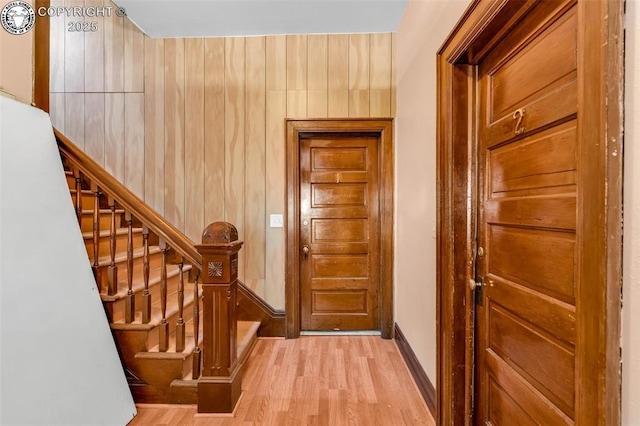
x=195, y=127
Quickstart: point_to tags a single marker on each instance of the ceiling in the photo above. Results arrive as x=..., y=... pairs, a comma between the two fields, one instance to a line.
x=215, y=18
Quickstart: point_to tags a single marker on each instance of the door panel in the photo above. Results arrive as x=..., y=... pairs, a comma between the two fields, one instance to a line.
x=339, y=230
x=538, y=77
x=346, y=194
x=505, y=410
x=545, y=269
x=527, y=225
x=339, y=215
x=530, y=350
x=518, y=81
x=537, y=163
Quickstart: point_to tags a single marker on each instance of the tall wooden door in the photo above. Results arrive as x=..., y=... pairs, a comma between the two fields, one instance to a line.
x=530, y=139
x=339, y=233
x=527, y=233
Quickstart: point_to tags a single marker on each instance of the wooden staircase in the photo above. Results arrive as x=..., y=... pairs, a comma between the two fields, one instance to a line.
x=150, y=290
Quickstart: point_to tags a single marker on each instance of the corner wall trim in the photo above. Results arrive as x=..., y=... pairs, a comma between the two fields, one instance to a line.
x=422, y=380
x=252, y=308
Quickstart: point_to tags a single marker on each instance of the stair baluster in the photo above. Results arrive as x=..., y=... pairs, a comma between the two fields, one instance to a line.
x=180, y=326
x=96, y=227
x=164, y=325
x=130, y=301
x=146, y=296
x=112, y=275
x=78, y=200
x=197, y=364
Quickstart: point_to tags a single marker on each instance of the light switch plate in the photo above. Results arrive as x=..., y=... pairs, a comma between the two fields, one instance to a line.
x=276, y=221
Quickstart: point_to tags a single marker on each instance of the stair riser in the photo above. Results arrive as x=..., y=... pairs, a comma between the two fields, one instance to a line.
x=154, y=335
x=159, y=373
x=104, y=246
x=87, y=200
x=105, y=221
x=155, y=260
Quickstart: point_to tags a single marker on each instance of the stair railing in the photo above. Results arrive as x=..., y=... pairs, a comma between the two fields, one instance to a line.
x=91, y=178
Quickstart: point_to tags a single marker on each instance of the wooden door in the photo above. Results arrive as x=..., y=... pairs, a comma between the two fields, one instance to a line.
x=526, y=312
x=339, y=233
x=530, y=136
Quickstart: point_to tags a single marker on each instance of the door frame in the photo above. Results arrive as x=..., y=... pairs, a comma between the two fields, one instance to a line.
x=599, y=251
x=381, y=128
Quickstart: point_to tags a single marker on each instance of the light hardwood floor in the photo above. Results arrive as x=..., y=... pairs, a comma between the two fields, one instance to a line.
x=315, y=380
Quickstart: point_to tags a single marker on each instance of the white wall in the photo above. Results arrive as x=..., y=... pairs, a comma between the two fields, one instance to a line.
x=58, y=360
x=423, y=28
x=631, y=260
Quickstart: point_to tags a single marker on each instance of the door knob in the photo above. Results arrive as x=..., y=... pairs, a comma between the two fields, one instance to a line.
x=473, y=284
x=305, y=251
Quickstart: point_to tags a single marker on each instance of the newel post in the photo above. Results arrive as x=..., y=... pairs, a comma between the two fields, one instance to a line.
x=219, y=386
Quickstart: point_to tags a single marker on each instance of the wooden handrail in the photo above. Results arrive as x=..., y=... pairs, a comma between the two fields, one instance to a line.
x=129, y=201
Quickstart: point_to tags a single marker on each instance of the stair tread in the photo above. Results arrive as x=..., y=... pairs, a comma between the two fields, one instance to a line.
x=247, y=332
x=102, y=211
x=120, y=231
x=156, y=314
x=121, y=256
x=138, y=281
x=84, y=191
x=189, y=346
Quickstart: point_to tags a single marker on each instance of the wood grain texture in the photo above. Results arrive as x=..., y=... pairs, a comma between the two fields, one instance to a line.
x=174, y=132
x=74, y=117
x=133, y=57
x=276, y=112
x=94, y=126
x=74, y=51
x=297, y=76
x=194, y=138
x=134, y=143
x=94, y=51
x=359, y=50
x=317, y=97
x=276, y=62
x=394, y=53
x=234, y=164
x=154, y=124
x=338, y=75
x=56, y=44
x=214, y=130
x=380, y=75
x=113, y=52
x=255, y=151
x=114, y=135
x=57, y=110
x=317, y=381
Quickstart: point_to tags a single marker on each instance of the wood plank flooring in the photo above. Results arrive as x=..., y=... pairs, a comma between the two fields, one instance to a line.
x=314, y=380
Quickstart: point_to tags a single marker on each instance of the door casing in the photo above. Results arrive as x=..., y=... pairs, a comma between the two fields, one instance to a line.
x=382, y=128
x=600, y=93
